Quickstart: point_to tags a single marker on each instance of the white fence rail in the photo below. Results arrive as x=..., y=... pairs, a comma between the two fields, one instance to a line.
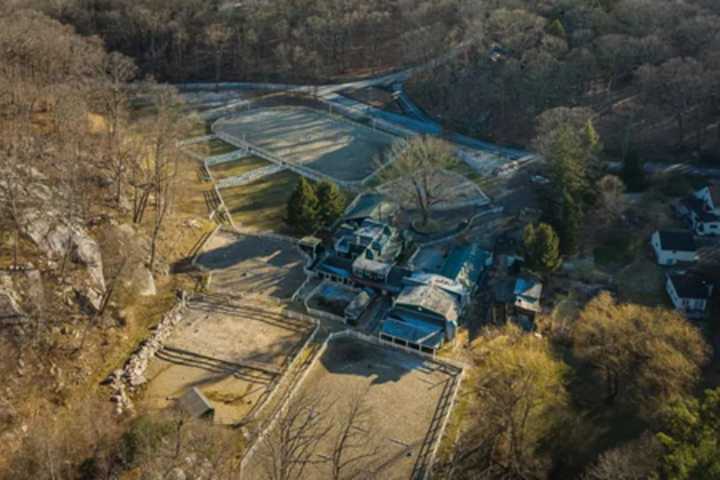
x=226, y=158
x=249, y=177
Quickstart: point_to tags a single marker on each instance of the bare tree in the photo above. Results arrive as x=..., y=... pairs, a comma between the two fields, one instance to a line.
x=292, y=444
x=352, y=449
x=168, y=125
x=417, y=174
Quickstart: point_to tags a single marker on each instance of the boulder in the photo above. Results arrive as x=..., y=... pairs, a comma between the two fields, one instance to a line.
x=10, y=312
x=145, y=282
x=90, y=300
x=54, y=235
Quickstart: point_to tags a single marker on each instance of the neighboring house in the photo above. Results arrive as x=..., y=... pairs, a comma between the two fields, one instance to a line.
x=526, y=296
x=702, y=210
x=689, y=293
x=673, y=247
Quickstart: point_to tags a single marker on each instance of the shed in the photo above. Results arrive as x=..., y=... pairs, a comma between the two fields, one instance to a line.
x=527, y=293
x=357, y=307
x=195, y=404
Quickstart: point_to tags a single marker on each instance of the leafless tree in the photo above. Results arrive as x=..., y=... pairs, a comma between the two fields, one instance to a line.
x=167, y=126
x=353, y=449
x=417, y=173
x=291, y=447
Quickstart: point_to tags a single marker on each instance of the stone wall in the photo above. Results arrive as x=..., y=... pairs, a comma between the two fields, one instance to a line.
x=132, y=375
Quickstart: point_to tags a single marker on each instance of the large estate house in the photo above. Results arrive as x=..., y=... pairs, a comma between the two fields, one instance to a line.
x=424, y=306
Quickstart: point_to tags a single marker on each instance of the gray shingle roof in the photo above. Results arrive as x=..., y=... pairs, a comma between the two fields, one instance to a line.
x=692, y=286
x=678, y=240
x=431, y=298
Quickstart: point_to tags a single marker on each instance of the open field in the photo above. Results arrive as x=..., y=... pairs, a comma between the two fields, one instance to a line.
x=230, y=352
x=210, y=148
x=314, y=139
x=248, y=264
x=237, y=167
x=401, y=393
x=261, y=204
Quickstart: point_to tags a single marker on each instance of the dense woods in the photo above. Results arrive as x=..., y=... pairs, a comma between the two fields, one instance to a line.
x=614, y=395
x=287, y=40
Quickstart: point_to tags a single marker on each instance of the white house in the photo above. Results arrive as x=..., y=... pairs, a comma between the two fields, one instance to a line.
x=689, y=293
x=672, y=247
x=710, y=196
x=703, y=210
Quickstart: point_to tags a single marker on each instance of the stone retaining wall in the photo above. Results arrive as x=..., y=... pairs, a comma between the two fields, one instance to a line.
x=132, y=375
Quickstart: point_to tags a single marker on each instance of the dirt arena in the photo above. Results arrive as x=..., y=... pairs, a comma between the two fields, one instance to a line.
x=332, y=146
x=243, y=264
x=402, y=393
x=231, y=353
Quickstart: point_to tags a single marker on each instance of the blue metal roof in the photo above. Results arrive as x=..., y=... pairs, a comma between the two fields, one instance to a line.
x=340, y=267
x=414, y=331
x=465, y=264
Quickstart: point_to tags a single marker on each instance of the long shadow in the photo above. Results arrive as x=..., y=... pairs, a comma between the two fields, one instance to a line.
x=245, y=248
x=252, y=313
x=346, y=356
x=214, y=366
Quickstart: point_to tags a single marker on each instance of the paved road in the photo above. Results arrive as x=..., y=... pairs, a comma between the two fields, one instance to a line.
x=418, y=123
x=665, y=168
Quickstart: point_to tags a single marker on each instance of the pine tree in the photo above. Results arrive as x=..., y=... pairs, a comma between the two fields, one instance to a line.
x=331, y=202
x=633, y=173
x=302, y=208
x=569, y=224
x=557, y=29
x=541, y=248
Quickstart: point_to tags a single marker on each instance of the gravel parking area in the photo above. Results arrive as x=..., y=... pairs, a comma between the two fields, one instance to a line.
x=402, y=394
x=257, y=264
x=312, y=138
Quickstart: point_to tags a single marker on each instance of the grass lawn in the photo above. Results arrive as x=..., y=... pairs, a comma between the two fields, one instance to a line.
x=237, y=168
x=261, y=205
x=642, y=282
x=620, y=249
x=210, y=148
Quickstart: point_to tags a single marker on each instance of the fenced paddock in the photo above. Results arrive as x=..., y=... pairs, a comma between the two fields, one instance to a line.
x=407, y=396
x=313, y=139
x=234, y=352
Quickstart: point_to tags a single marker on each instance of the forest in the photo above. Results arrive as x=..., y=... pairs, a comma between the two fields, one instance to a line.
x=623, y=391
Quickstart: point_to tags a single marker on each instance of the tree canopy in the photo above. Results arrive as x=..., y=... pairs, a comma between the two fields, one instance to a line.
x=541, y=248
x=643, y=355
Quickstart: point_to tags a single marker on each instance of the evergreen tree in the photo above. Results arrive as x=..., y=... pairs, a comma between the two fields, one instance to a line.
x=557, y=29
x=331, y=202
x=303, y=208
x=541, y=247
x=569, y=223
x=633, y=173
